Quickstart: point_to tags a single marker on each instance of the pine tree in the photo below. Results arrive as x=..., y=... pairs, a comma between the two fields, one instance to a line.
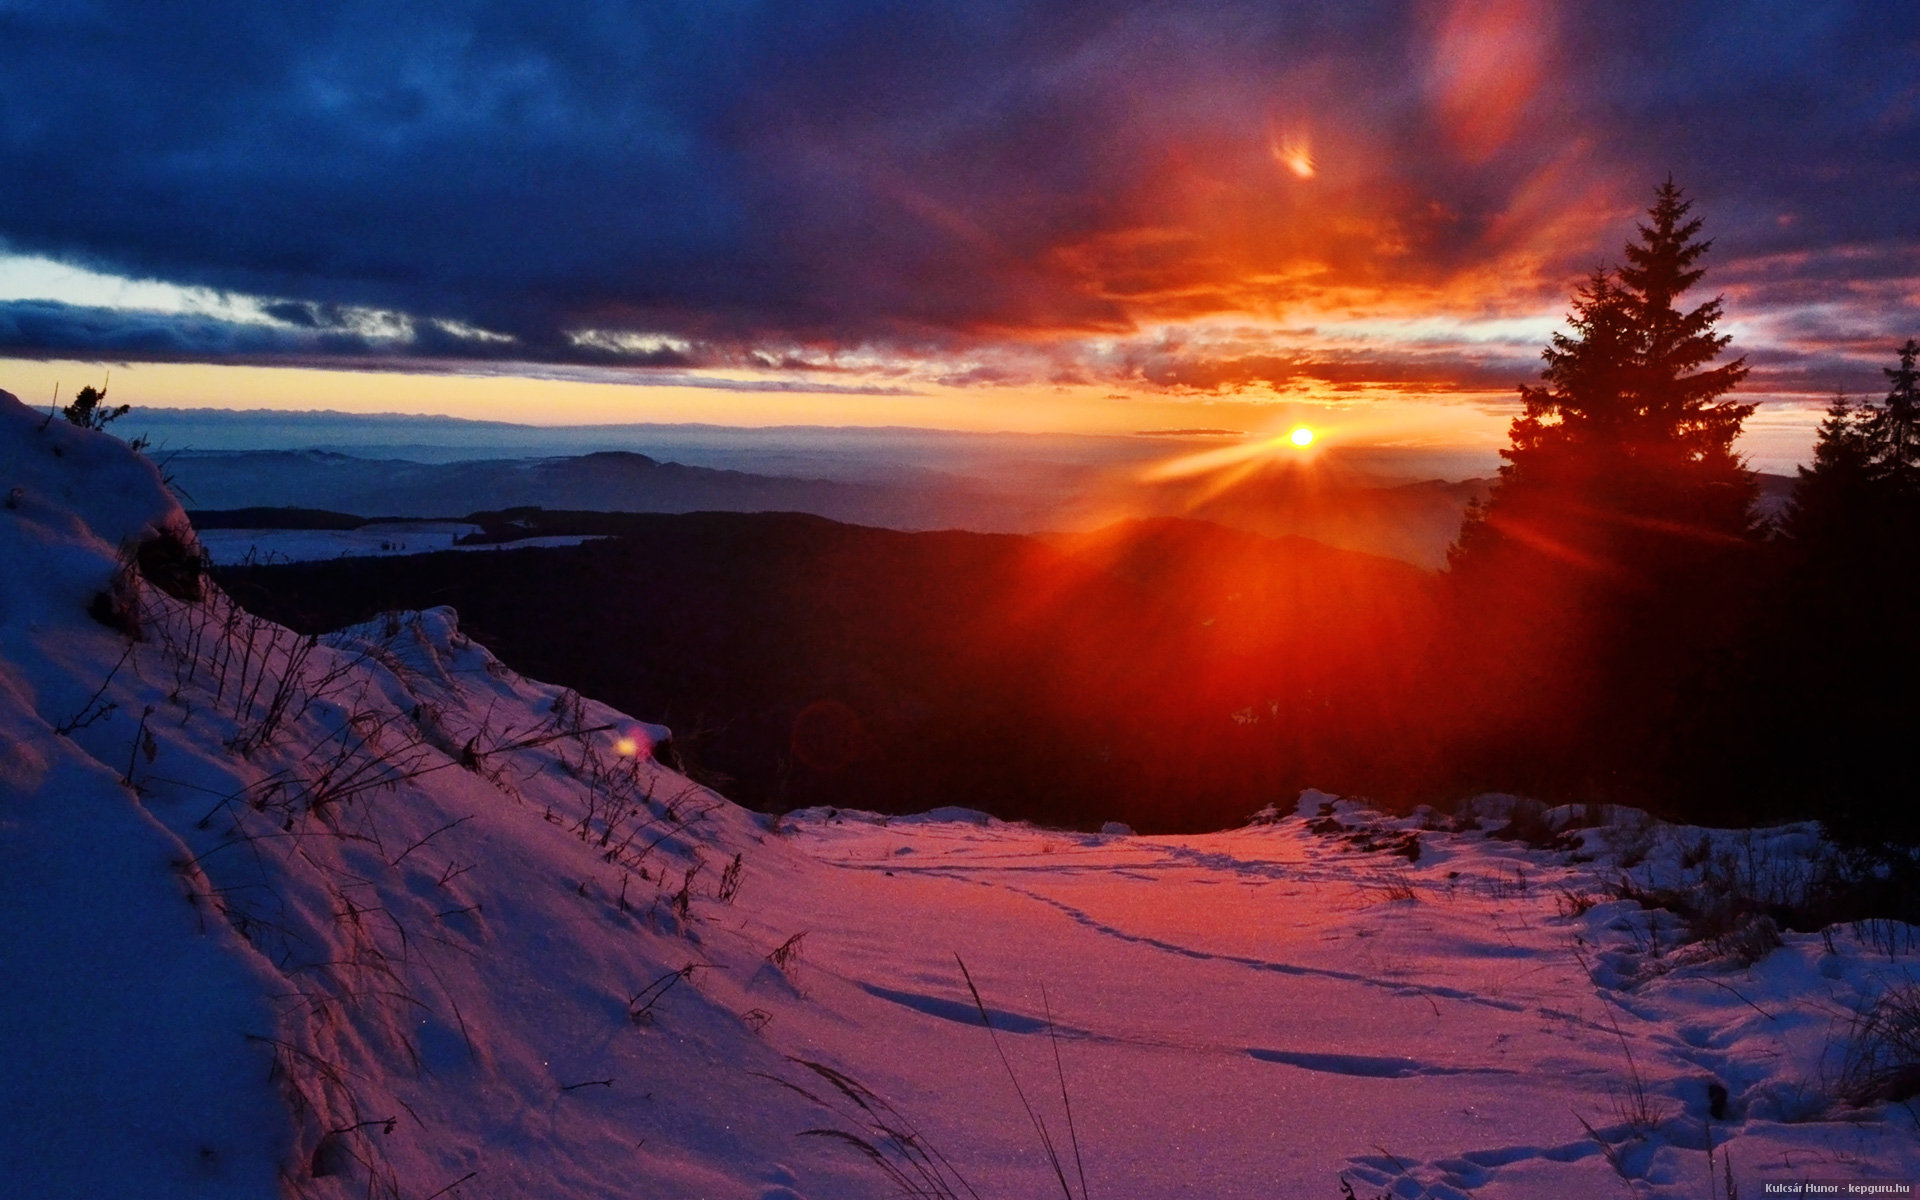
x=1862, y=489
x=1631, y=432
x=1835, y=492
x=1603, y=563
x=1894, y=428
x=1588, y=374
x=1844, y=638
x=1676, y=393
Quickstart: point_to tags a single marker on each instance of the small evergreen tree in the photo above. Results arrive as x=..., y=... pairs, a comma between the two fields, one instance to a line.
x=1865, y=476
x=1893, y=430
x=88, y=412
x=1833, y=492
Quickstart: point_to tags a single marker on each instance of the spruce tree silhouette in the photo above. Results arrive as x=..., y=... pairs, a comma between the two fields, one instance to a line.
x=1630, y=433
x=1893, y=431
x=1857, y=501
x=1833, y=496
x=1600, y=564
x=1844, y=647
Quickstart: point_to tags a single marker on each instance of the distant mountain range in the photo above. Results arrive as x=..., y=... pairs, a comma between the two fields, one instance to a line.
x=1324, y=500
x=1411, y=521
x=610, y=481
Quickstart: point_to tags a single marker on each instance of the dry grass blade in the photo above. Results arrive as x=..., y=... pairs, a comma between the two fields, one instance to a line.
x=640, y=1004
x=887, y=1138
x=1039, y=1126
x=1638, y=1111
x=1610, y=1151
x=1066, y=1101
x=786, y=956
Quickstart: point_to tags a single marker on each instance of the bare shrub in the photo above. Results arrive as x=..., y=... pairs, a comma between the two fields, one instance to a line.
x=174, y=563
x=1749, y=941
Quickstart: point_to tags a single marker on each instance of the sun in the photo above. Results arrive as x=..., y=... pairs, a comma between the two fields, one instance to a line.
x=1301, y=436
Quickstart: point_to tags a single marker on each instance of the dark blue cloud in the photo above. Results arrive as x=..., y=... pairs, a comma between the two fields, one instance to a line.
x=839, y=172
x=46, y=328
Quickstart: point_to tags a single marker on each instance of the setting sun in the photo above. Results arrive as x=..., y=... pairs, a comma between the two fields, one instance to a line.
x=1301, y=436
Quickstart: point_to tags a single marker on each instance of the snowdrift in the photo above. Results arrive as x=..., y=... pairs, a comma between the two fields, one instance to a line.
x=366, y=914
x=370, y=914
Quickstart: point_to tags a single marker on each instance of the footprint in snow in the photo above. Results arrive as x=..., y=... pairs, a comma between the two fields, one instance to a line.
x=1459, y=1176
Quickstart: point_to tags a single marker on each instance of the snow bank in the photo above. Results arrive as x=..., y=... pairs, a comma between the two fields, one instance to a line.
x=126, y=1004
x=360, y=915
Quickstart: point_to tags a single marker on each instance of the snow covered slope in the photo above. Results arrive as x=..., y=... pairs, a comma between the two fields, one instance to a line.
x=371, y=914
x=365, y=914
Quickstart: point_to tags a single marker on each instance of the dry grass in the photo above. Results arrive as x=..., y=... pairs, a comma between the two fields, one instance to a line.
x=1039, y=1125
x=1882, y=1062
x=1391, y=886
x=317, y=743
x=1573, y=904
x=885, y=1136
x=786, y=956
x=881, y=1133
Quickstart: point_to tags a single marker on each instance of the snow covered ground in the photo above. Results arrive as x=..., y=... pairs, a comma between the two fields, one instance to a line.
x=373, y=915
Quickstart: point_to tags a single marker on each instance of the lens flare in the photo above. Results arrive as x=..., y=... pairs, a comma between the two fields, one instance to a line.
x=1299, y=160
x=1294, y=152
x=633, y=742
x=1301, y=436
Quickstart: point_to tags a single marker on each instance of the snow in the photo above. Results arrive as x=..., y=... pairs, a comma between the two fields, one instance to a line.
x=380, y=540
x=374, y=915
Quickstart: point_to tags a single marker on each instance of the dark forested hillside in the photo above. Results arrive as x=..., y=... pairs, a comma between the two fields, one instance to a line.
x=1170, y=674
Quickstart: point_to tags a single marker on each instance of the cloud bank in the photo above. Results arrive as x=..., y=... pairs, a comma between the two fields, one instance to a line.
x=968, y=192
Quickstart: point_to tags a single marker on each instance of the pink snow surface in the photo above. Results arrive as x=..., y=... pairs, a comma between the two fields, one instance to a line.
x=374, y=915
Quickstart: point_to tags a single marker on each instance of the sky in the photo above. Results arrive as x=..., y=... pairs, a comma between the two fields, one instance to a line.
x=1090, y=217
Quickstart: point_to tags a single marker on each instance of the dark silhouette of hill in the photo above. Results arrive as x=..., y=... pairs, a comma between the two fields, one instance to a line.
x=612, y=481
x=1172, y=674
x=275, y=518
x=1414, y=522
